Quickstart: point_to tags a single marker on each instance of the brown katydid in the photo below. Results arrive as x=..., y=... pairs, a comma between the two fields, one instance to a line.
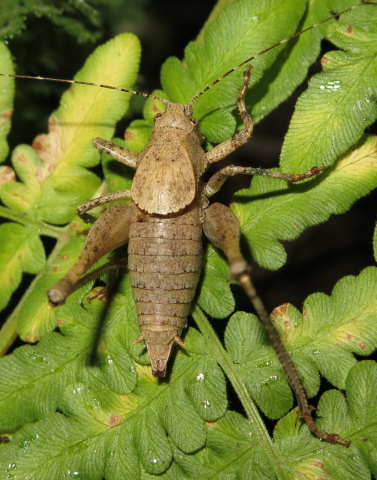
x=163, y=214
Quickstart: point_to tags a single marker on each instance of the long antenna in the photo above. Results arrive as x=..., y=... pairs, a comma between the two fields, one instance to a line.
x=272, y=47
x=209, y=86
x=88, y=83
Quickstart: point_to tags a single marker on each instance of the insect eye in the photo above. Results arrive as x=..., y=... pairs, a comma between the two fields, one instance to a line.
x=158, y=115
x=194, y=122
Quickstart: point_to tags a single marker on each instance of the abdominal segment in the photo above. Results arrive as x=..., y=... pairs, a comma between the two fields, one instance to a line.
x=164, y=261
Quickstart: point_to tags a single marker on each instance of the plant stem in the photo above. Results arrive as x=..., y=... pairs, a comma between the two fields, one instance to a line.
x=43, y=228
x=251, y=410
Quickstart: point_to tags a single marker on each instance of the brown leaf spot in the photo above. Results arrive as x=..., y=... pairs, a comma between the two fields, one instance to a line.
x=319, y=464
x=337, y=344
x=39, y=174
x=362, y=345
x=304, y=313
x=7, y=175
x=74, y=226
x=211, y=425
x=349, y=30
x=365, y=439
x=128, y=135
x=300, y=475
x=21, y=158
x=37, y=144
x=83, y=232
x=49, y=146
x=100, y=293
x=28, y=340
x=350, y=337
x=53, y=124
x=7, y=114
x=325, y=60
x=287, y=324
x=64, y=257
x=280, y=311
x=114, y=420
x=55, y=269
x=60, y=322
x=155, y=108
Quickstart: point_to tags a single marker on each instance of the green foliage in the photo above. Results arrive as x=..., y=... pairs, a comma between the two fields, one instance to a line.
x=6, y=100
x=328, y=106
x=82, y=402
x=292, y=208
x=55, y=175
x=83, y=20
x=77, y=18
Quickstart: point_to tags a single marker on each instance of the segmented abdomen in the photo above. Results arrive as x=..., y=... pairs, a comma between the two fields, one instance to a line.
x=164, y=261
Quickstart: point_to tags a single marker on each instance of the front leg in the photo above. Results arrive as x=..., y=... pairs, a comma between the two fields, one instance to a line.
x=224, y=149
x=128, y=157
x=123, y=155
x=222, y=228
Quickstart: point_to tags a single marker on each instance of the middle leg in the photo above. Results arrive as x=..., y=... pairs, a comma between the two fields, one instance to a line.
x=217, y=180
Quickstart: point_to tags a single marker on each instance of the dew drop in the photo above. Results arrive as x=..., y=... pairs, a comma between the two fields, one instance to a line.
x=200, y=377
x=73, y=474
x=331, y=86
x=273, y=377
